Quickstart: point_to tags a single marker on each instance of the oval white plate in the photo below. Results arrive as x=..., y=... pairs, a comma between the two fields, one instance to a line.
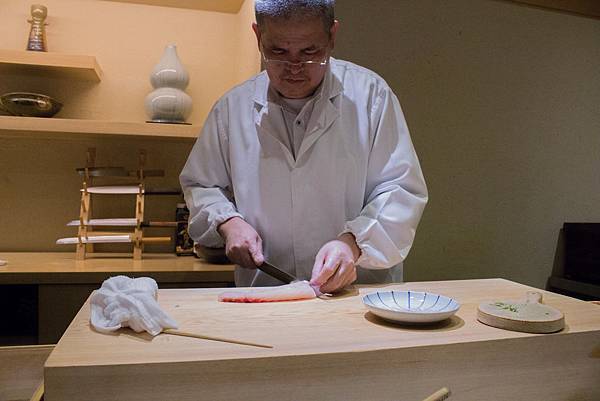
x=411, y=306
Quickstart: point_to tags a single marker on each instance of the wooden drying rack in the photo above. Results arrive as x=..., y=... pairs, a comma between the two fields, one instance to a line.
x=85, y=230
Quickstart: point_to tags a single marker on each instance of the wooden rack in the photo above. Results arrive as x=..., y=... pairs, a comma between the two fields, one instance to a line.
x=86, y=235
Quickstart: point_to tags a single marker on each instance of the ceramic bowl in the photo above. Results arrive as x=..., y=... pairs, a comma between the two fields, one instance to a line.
x=410, y=306
x=29, y=104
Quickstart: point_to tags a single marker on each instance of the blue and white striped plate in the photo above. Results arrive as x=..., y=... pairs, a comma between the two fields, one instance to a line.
x=410, y=306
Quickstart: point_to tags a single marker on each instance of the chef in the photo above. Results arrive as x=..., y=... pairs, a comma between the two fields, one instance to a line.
x=308, y=165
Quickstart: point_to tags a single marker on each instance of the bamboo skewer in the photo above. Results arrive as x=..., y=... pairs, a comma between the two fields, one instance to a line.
x=201, y=336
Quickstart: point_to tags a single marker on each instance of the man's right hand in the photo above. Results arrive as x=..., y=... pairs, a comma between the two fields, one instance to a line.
x=243, y=245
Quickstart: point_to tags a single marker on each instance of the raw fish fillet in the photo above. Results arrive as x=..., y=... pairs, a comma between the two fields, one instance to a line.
x=288, y=292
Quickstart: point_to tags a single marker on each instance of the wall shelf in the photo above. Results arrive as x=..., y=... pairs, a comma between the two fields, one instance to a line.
x=16, y=126
x=49, y=64
x=224, y=6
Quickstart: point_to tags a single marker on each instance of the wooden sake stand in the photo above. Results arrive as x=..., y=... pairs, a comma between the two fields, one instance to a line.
x=332, y=349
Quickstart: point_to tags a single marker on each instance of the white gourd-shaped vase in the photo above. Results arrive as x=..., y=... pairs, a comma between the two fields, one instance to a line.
x=168, y=103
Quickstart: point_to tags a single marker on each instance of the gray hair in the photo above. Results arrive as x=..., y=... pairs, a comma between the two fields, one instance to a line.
x=287, y=9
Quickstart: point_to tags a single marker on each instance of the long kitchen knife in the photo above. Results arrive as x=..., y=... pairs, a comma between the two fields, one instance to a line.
x=277, y=273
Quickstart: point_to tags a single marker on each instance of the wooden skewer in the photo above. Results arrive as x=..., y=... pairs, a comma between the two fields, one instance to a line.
x=226, y=340
x=441, y=394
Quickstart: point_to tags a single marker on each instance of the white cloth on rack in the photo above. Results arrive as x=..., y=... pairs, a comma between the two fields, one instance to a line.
x=122, y=301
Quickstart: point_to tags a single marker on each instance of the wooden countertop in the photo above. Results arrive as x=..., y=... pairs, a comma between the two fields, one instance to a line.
x=320, y=330
x=62, y=267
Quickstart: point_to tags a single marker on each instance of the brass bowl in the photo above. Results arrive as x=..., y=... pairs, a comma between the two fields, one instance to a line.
x=29, y=104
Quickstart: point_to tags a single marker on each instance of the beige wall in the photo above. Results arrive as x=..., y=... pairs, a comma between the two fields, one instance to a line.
x=503, y=105
x=38, y=182
x=128, y=41
x=502, y=102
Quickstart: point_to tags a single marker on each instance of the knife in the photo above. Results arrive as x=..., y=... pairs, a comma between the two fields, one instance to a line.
x=277, y=273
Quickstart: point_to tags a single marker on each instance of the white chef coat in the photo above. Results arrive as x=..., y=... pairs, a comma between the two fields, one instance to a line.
x=356, y=171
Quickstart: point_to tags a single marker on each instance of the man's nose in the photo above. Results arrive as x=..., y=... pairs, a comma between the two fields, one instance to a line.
x=295, y=68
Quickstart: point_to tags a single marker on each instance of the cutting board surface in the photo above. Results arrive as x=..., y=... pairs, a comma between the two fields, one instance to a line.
x=527, y=315
x=311, y=327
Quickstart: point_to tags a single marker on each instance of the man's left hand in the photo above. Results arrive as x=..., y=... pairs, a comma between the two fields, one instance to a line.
x=334, y=266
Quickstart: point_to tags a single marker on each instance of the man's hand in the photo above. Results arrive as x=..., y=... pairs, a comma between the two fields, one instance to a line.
x=243, y=245
x=334, y=264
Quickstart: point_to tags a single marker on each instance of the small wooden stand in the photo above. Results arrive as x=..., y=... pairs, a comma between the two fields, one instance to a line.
x=85, y=230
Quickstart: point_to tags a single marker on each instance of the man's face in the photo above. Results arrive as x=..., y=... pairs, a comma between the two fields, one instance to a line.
x=295, y=40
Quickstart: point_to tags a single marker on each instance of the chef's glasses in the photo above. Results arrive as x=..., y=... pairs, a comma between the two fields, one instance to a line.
x=286, y=65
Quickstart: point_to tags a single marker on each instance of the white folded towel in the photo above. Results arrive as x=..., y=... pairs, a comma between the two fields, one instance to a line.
x=128, y=302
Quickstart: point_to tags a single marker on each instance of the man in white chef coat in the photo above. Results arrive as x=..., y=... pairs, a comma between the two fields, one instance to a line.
x=308, y=165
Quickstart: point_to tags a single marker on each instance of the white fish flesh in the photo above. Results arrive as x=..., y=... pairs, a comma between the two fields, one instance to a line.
x=289, y=292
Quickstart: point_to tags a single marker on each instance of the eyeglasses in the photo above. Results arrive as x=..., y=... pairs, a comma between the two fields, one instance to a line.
x=283, y=64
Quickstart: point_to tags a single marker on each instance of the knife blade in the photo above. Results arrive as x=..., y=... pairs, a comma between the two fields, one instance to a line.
x=277, y=273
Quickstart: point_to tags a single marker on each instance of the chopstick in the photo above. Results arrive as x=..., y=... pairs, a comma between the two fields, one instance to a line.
x=202, y=336
x=441, y=394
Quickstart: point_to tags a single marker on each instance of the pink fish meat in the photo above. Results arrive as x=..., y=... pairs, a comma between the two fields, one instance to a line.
x=289, y=292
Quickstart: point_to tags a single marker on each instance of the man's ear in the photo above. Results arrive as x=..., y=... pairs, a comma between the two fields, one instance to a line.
x=333, y=31
x=256, y=30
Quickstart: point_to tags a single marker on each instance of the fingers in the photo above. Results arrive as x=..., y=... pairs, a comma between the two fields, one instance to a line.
x=316, y=279
x=244, y=247
x=240, y=255
x=256, y=252
x=333, y=272
x=334, y=267
x=344, y=275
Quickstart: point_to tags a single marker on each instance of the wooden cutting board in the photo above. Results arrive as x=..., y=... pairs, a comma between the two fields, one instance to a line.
x=527, y=315
x=364, y=358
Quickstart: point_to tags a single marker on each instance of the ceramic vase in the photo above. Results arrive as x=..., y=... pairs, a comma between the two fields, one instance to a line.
x=168, y=103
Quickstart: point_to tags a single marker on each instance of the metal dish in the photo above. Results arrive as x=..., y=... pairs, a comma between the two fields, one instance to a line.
x=29, y=104
x=410, y=306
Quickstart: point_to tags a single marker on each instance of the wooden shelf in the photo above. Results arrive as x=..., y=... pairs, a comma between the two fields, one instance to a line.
x=53, y=65
x=224, y=6
x=34, y=126
x=63, y=283
x=63, y=268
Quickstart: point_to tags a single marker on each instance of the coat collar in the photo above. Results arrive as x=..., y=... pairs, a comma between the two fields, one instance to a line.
x=331, y=85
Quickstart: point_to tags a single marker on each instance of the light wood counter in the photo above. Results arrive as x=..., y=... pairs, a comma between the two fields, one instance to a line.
x=63, y=284
x=62, y=268
x=331, y=350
